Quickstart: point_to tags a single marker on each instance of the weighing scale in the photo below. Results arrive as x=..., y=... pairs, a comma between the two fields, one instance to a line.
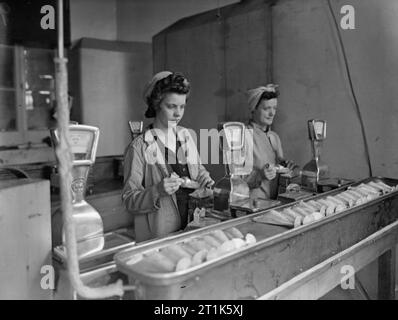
x=135, y=128
x=315, y=174
x=88, y=223
x=315, y=170
x=231, y=193
x=231, y=187
x=95, y=248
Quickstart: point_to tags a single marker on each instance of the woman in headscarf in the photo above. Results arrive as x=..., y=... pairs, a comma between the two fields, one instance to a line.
x=267, y=147
x=156, y=161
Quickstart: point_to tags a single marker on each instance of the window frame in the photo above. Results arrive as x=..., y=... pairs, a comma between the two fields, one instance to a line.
x=22, y=135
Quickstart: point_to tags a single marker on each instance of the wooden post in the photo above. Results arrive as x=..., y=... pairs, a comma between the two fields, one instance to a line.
x=386, y=286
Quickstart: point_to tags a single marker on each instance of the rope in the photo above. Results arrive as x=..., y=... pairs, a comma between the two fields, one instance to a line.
x=65, y=158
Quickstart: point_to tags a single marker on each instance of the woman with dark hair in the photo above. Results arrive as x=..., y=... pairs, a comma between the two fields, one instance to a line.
x=267, y=147
x=162, y=165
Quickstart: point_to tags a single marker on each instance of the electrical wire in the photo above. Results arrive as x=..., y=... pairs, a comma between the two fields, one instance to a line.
x=357, y=108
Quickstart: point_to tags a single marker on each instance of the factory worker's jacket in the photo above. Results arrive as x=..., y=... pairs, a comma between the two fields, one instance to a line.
x=267, y=148
x=144, y=168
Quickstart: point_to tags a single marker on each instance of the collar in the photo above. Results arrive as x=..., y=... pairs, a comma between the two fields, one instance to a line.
x=256, y=126
x=149, y=137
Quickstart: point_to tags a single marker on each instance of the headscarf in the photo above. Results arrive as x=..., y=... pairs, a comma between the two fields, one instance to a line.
x=254, y=95
x=151, y=84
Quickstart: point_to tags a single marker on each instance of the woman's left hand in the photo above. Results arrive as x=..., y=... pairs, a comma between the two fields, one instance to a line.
x=204, y=179
x=291, y=165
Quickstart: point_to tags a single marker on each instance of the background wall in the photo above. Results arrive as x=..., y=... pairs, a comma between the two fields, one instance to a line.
x=93, y=19
x=131, y=20
x=106, y=82
x=112, y=81
x=140, y=20
x=307, y=63
x=222, y=53
x=308, y=66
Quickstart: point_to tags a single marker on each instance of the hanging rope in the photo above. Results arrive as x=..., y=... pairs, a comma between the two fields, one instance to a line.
x=65, y=158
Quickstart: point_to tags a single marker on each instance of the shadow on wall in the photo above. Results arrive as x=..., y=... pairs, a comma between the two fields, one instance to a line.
x=309, y=67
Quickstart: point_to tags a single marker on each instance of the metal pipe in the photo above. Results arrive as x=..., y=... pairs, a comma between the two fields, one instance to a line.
x=60, y=29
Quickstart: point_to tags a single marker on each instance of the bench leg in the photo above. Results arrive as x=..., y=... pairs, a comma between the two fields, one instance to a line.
x=386, y=287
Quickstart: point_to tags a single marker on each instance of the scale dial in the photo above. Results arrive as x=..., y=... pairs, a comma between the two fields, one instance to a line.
x=83, y=142
x=136, y=126
x=234, y=133
x=80, y=142
x=317, y=129
x=320, y=129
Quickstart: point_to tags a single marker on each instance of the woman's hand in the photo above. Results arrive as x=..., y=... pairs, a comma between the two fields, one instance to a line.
x=204, y=179
x=269, y=172
x=168, y=186
x=291, y=165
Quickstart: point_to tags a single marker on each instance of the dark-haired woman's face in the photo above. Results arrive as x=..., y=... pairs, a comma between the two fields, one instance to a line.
x=265, y=112
x=171, y=109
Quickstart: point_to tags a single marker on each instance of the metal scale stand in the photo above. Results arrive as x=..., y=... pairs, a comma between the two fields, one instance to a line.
x=88, y=223
x=315, y=170
x=315, y=174
x=231, y=193
x=231, y=187
x=95, y=248
x=306, y=185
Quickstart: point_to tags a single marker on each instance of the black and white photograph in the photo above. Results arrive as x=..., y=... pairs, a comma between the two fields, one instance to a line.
x=200, y=154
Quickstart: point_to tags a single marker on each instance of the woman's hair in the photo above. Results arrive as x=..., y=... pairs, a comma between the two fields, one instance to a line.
x=174, y=83
x=268, y=95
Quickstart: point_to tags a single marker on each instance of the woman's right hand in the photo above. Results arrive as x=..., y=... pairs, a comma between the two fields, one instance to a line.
x=269, y=172
x=168, y=186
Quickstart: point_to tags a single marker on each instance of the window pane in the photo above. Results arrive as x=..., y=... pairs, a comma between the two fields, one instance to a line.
x=6, y=67
x=39, y=110
x=39, y=68
x=39, y=87
x=8, y=110
x=8, y=114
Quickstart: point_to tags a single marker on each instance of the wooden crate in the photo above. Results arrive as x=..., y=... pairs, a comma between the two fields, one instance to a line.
x=25, y=237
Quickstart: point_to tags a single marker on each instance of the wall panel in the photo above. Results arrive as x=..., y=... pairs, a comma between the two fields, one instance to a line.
x=223, y=53
x=107, y=82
